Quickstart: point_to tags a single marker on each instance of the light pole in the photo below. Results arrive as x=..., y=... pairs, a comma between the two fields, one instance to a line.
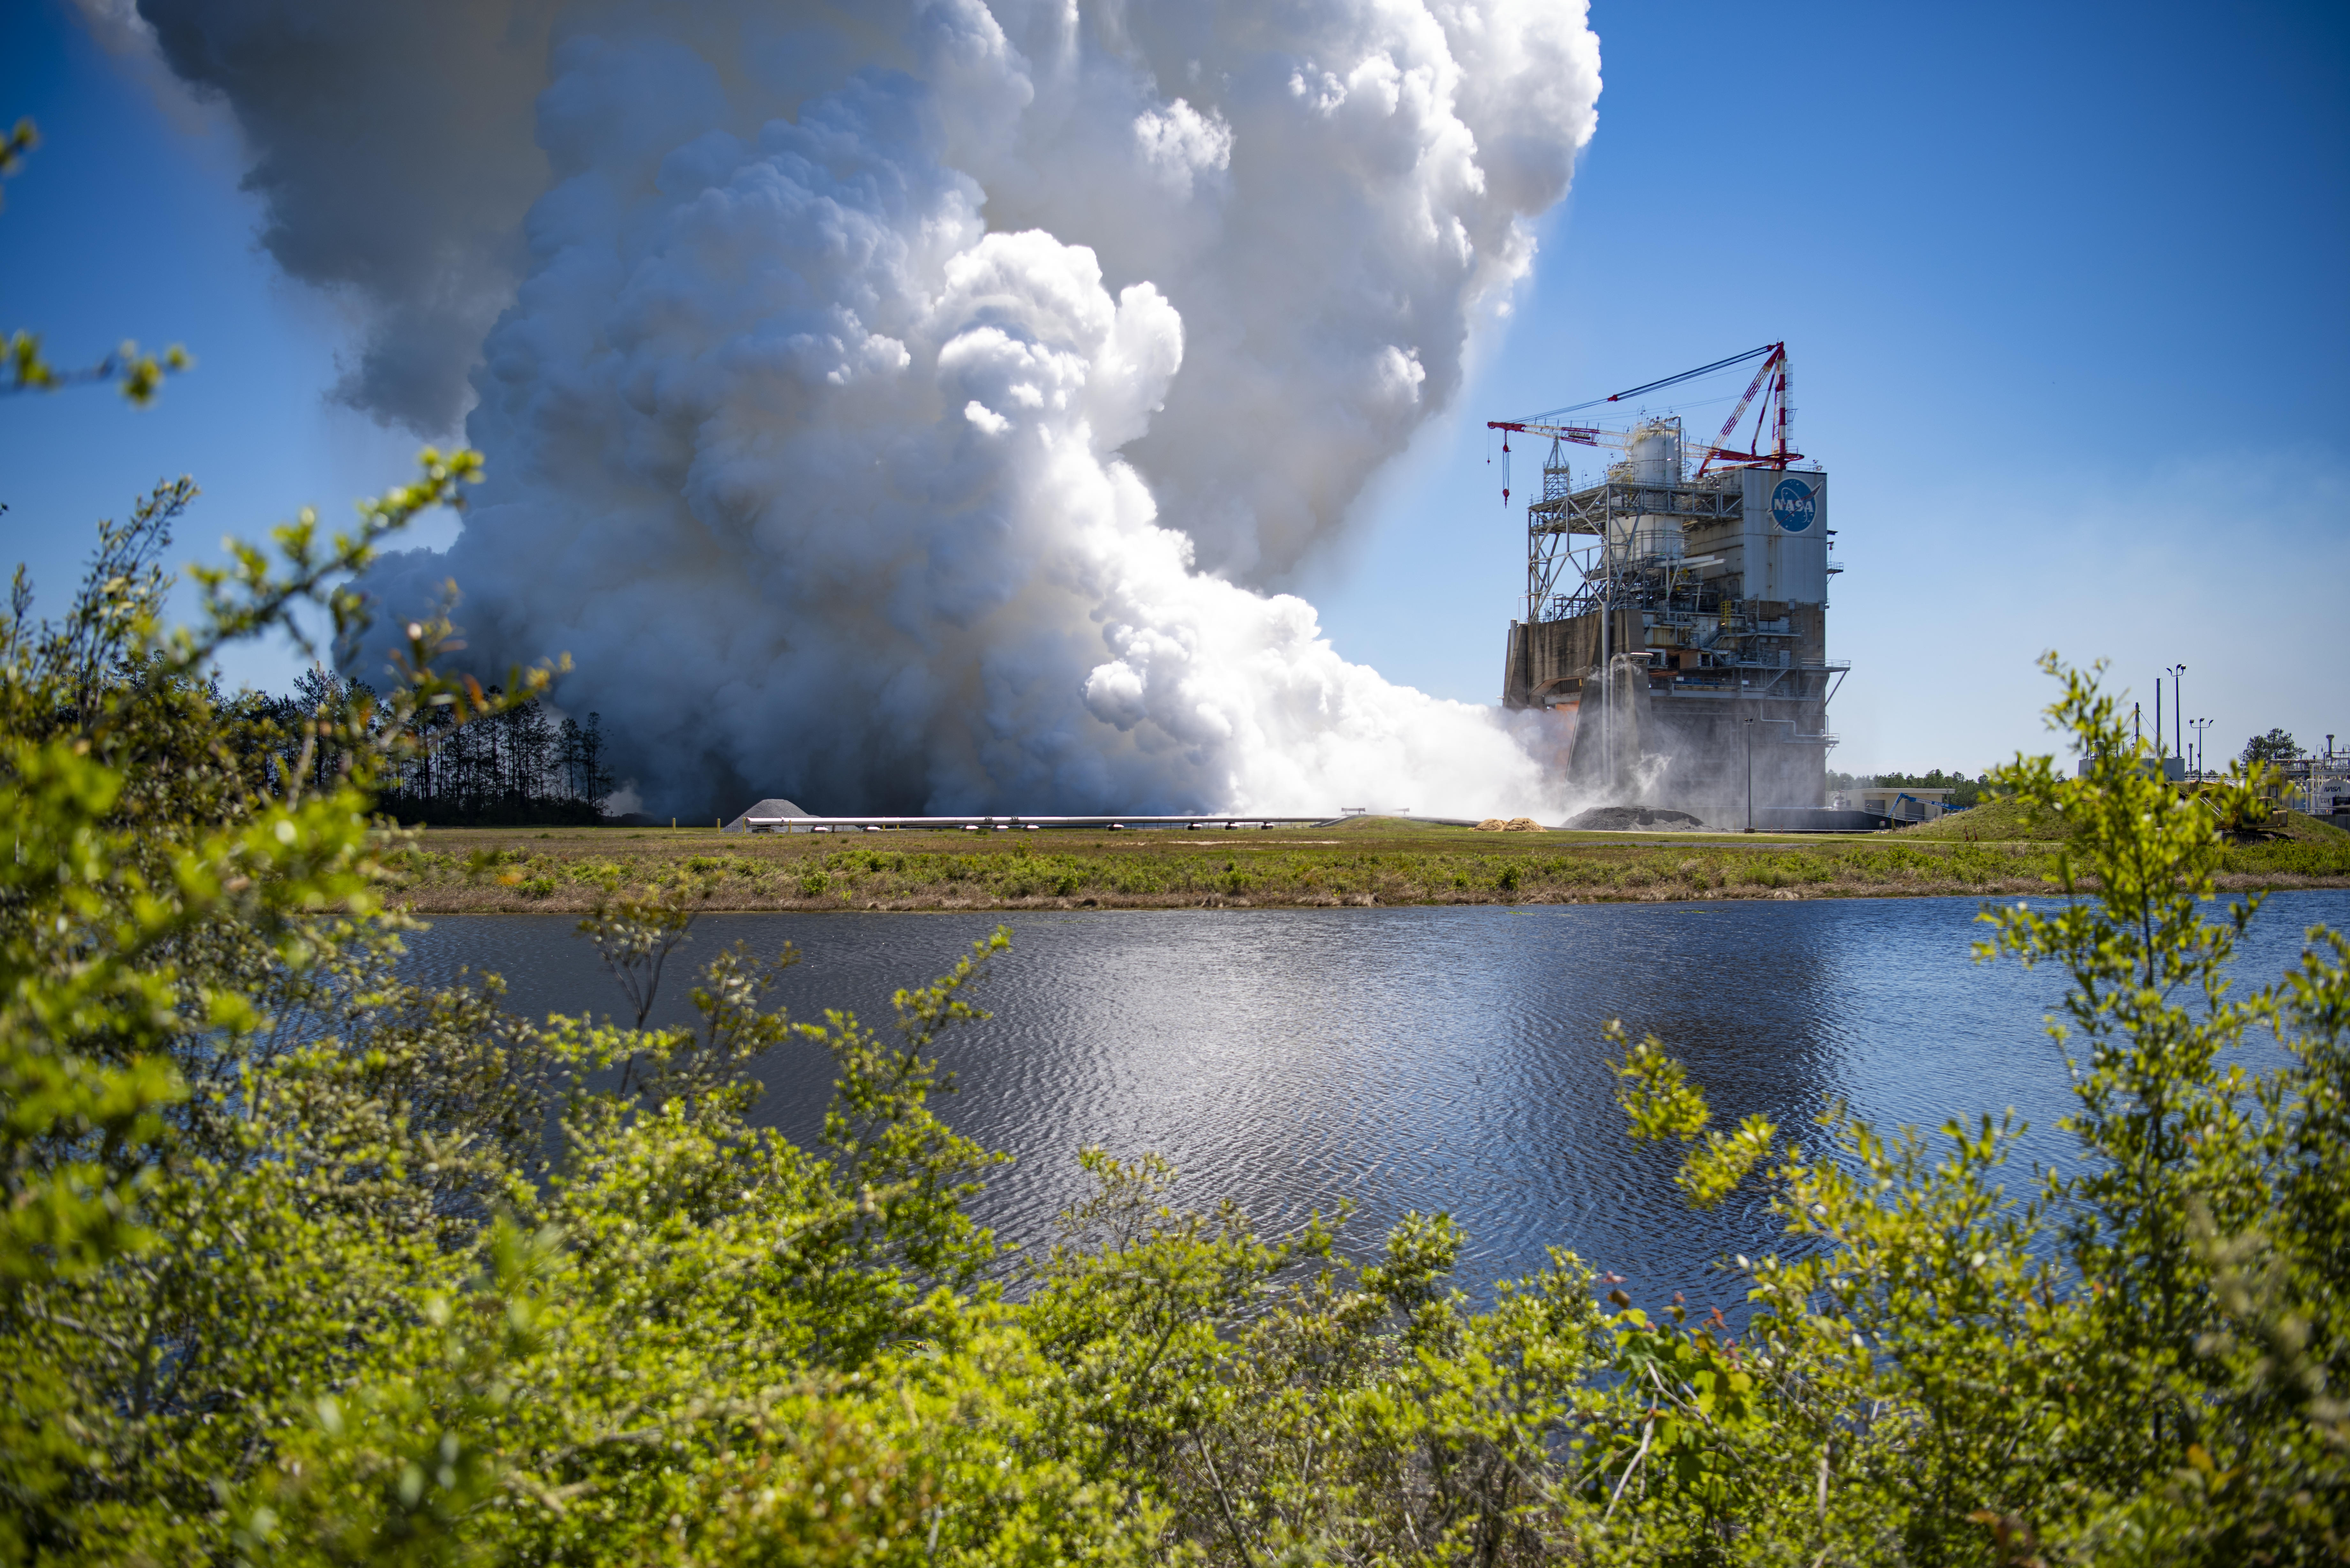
x=2177, y=707
x=2198, y=726
x=1750, y=773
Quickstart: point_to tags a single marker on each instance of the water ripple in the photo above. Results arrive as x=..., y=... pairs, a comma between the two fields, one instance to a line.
x=1401, y=1059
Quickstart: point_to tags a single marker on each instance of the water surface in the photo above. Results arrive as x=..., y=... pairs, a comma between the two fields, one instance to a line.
x=1412, y=1058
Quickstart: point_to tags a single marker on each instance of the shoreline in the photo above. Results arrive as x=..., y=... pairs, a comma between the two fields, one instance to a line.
x=1365, y=864
x=439, y=911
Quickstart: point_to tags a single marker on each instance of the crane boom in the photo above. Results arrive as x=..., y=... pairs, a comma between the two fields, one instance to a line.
x=1775, y=371
x=1730, y=425
x=1582, y=435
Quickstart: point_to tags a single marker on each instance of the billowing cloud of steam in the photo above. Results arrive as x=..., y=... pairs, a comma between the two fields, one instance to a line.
x=393, y=153
x=905, y=408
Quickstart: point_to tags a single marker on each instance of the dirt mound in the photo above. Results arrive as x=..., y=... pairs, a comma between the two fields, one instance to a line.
x=1515, y=825
x=1630, y=818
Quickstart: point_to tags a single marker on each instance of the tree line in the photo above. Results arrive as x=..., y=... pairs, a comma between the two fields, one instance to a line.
x=515, y=767
x=1965, y=791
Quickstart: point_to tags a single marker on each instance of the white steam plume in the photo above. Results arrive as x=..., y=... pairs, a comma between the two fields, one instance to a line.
x=392, y=152
x=904, y=408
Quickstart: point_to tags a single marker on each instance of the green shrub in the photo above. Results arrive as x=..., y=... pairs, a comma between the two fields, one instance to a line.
x=302, y=1264
x=483, y=862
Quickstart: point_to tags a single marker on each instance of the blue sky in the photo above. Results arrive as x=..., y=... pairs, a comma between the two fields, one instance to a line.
x=2063, y=286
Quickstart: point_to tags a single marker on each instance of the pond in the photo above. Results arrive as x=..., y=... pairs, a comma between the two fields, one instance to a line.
x=1409, y=1058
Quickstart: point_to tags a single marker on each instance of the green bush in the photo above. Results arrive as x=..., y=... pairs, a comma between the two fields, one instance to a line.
x=302, y=1264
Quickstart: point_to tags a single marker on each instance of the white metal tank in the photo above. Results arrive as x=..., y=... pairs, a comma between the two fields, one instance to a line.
x=1655, y=453
x=1652, y=459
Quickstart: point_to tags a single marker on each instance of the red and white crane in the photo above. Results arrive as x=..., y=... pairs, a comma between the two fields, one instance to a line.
x=1770, y=382
x=1773, y=399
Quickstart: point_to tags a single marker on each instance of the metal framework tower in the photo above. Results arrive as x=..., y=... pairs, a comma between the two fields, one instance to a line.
x=1674, y=613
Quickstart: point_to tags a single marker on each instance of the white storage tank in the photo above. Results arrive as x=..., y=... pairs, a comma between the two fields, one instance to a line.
x=1652, y=459
x=1654, y=454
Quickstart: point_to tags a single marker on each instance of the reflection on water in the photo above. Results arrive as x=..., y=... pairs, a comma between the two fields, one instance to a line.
x=1439, y=1058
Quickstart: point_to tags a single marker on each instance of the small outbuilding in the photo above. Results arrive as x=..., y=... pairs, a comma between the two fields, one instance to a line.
x=1900, y=804
x=766, y=813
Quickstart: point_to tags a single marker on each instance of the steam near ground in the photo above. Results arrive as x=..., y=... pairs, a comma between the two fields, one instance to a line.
x=915, y=406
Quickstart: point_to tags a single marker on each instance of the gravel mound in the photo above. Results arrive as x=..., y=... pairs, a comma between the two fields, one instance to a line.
x=1627, y=818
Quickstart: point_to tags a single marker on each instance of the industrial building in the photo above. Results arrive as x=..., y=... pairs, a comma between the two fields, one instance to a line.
x=2319, y=785
x=1896, y=803
x=1676, y=608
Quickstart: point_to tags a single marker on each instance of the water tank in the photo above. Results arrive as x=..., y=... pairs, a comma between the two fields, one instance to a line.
x=1655, y=457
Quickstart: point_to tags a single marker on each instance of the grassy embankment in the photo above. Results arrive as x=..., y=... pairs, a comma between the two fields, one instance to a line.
x=1994, y=849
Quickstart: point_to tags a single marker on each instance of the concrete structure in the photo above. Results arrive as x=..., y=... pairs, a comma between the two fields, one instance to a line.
x=1819, y=819
x=1681, y=622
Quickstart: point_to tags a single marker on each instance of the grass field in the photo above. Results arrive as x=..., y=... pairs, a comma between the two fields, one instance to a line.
x=1367, y=860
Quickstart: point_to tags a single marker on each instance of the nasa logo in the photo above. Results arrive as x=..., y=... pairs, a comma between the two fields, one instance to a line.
x=1792, y=505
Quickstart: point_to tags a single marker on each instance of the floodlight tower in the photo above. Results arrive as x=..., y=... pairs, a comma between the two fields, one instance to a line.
x=2177, y=707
